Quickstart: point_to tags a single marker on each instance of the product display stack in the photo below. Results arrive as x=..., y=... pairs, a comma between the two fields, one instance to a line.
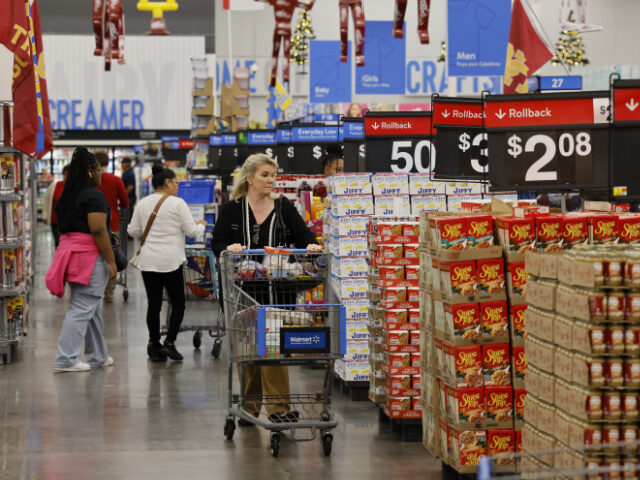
x=346, y=221
x=468, y=394
x=583, y=349
x=202, y=114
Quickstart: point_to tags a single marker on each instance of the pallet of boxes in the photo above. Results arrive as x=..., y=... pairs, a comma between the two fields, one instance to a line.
x=467, y=386
x=346, y=223
x=583, y=349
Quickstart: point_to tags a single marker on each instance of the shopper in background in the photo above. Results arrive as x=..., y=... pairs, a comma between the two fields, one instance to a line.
x=113, y=189
x=85, y=260
x=49, y=206
x=129, y=180
x=254, y=219
x=162, y=257
x=333, y=163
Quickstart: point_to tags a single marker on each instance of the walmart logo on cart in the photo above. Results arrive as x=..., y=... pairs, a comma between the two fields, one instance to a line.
x=301, y=341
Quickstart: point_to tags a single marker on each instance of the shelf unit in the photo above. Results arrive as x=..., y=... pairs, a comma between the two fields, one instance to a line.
x=18, y=218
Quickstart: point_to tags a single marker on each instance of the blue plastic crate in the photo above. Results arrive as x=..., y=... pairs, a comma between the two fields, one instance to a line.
x=196, y=192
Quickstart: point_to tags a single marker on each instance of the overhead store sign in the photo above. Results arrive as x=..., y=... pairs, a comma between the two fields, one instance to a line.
x=151, y=91
x=353, y=129
x=215, y=140
x=384, y=70
x=229, y=139
x=625, y=139
x=399, y=142
x=558, y=141
x=262, y=138
x=478, y=36
x=329, y=78
x=315, y=134
x=461, y=139
x=354, y=149
x=626, y=101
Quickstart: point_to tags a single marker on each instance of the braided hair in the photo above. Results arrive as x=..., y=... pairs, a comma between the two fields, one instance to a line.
x=78, y=178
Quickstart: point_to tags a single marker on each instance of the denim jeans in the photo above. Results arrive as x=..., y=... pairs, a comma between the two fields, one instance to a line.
x=83, y=323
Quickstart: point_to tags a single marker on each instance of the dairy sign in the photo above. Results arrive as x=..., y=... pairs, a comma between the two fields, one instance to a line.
x=152, y=90
x=557, y=141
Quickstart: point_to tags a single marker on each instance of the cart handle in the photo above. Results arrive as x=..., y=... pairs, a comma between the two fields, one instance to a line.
x=283, y=251
x=301, y=305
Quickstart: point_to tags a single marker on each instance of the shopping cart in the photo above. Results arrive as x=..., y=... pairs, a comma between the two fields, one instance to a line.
x=275, y=316
x=201, y=285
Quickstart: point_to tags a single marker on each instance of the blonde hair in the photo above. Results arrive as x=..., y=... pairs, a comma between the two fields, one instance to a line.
x=249, y=169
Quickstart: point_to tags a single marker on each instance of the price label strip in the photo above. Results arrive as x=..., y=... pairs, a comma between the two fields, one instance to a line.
x=399, y=142
x=262, y=141
x=229, y=152
x=461, y=139
x=548, y=141
x=311, y=142
x=625, y=139
x=285, y=150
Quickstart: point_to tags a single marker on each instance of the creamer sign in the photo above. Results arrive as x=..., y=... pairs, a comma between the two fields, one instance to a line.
x=82, y=114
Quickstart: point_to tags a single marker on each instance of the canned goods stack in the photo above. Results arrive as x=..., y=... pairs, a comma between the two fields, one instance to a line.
x=583, y=349
x=12, y=315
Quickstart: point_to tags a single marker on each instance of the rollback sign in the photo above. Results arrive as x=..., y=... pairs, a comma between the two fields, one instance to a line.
x=399, y=142
x=625, y=138
x=558, y=141
x=311, y=142
x=461, y=139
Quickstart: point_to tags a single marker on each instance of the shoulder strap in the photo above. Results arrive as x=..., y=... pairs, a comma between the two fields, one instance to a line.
x=152, y=217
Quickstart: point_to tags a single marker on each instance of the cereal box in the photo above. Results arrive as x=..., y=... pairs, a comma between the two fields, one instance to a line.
x=604, y=228
x=519, y=397
x=494, y=318
x=517, y=279
x=399, y=404
x=468, y=405
x=423, y=184
x=459, y=278
x=499, y=401
x=496, y=365
x=491, y=277
x=468, y=446
x=519, y=363
x=387, y=228
x=390, y=184
x=629, y=228
x=397, y=337
x=468, y=366
x=451, y=233
x=389, y=250
x=412, y=272
x=575, y=230
x=463, y=320
x=518, y=234
x=518, y=320
x=391, y=272
x=411, y=250
x=549, y=233
x=480, y=231
x=502, y=444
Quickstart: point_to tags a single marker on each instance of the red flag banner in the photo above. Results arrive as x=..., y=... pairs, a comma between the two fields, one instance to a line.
x=31, y=121
x=527, y=52
x=14, y=30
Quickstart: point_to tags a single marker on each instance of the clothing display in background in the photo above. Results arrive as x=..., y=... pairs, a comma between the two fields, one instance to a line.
x=424, y=7
x=283, y=12
x=358, y=23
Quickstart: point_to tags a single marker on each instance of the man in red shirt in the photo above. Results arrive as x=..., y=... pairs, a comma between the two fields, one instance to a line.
x=53, y=216
x=113, y=188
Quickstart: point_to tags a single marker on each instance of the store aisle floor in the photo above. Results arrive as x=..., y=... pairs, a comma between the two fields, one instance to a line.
x=141, y=420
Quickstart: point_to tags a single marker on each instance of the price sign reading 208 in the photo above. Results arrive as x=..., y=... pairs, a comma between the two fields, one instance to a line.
x=550, y=156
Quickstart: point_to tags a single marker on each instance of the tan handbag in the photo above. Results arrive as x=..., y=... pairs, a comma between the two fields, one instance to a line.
x=135, y=260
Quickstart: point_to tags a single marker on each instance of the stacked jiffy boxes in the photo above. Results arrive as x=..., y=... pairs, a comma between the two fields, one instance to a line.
x=345, y=235
x=583, y=349
x=394, y=294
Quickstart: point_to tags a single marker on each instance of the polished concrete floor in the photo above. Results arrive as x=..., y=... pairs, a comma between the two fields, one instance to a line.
x=142, y=420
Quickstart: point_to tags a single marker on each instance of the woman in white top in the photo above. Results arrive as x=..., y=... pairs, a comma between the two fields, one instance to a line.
x=162, y=257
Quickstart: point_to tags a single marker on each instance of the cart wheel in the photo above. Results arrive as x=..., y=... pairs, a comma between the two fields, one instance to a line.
x=197, y=339
x=325, y=417
x=229, y=428
x=275, y=444
x=125, y=295
x=217, y=348
x=327, y=440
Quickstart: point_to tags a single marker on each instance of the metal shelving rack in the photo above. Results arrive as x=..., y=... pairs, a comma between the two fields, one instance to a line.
x=14, y=299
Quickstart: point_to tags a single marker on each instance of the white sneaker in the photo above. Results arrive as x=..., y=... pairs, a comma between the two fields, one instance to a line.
x=107, y=363
x=78, y=367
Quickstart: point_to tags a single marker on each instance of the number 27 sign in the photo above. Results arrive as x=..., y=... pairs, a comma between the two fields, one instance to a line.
x=558, y=141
